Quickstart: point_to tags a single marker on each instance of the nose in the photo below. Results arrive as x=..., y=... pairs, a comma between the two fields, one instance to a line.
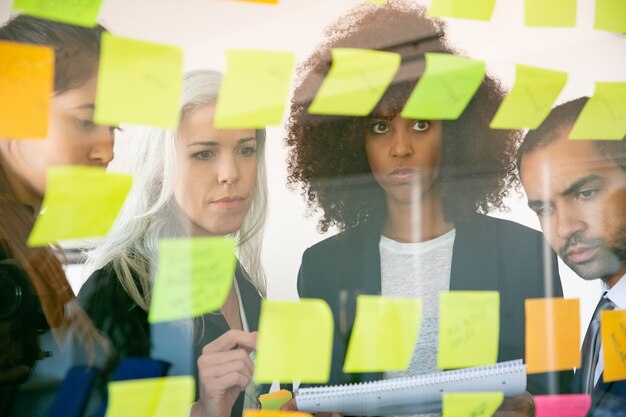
x=101, y=153
x=568, y=223
x=400, y=145
x=228, y=172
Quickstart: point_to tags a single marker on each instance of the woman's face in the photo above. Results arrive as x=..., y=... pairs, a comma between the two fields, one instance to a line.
x=404, y=156
x=217, y=173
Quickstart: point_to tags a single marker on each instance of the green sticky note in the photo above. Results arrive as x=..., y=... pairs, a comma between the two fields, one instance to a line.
x=471, y=404
x=75, y=12
x=356, y=81
x=384, y=334
x=154, y=397
x=138, y=82
x=194, y=277
x=469, y=327
x=556, y=13
x=531, y=99
x=475, y=9
x=254, y=89
x=376, y=1
x=604, y=115
x=446, y=87
x=80, y=202
x=295, y=342
x=610, y=15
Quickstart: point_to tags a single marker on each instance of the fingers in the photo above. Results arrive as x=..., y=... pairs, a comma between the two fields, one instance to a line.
x=230, y=339
x=221, y=363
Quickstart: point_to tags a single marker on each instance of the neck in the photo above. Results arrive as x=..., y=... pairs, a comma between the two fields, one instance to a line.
x=614, y=279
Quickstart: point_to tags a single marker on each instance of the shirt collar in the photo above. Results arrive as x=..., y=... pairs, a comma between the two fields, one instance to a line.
x=617, y=294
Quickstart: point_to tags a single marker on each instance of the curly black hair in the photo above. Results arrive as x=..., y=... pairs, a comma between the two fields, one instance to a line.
x=327, y=157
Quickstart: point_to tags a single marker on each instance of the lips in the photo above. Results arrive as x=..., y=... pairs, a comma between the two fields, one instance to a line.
x=403, y=175
x=229, y=202
x=582, y=254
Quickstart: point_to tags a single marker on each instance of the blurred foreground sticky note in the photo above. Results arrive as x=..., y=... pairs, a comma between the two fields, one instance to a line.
x=154, y=397
x=295, y=341
x=569, y=405
x=254, y=89
x=384, y=334
x=613, y=332
x=26, y=87
x=274, y=413
x=474, y=404
x=138, y=82
x=194, y=277
x=531, y=99
x=446, y=87
x=356, y=81
x=80, y=202
x=604, y=115
x=274, y=400
x=610, y=15
x=552, y=334
x=554, y=13
x=475, y=9
x=75, y=12
x=469, y=327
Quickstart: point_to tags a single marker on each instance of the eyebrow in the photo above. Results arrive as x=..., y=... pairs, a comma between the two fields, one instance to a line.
x=213, y=143
x=578, y=184
x=88, y=106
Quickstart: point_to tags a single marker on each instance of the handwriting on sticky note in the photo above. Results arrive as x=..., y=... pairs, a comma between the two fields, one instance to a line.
x=604, y=115
x=552, y=334
x=475, y=404
x=613, y=333
x=468, y=328
x=531, y=99
x=295, y=341
x=476, y=9
x=75, y=12
x=254, y=90
x=194, y=277
x=610, y=15
x=26, y=87
x=356, y=81
x=446, y=87
x=138, y=82
x=569, y=405
x=555, y=13
x=384, y=334
x=154, y=397
x=80, y=202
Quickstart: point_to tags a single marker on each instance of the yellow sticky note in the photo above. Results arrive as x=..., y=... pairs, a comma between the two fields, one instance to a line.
x=75, y=12
x=356, y=81
x=295, y=341
x=555, y=13
x=194, y=277
x=469, y=327
x=446, y=87
x=604, y=115
x=254, y=89
x=471, y=404
x=531, y=99
x=552, y=334
x=80, y=202
x=261, y=1
x=610, y=15
x=613, y=332
x=384, y=334
x=154, y=397
x=26, y=87
x=274, y=400
x=475, y=9
x=138, y=82
x=274, y=413
x=376, y=1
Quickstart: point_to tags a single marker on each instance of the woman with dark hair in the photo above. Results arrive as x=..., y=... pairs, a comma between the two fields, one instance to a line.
x=409, y=196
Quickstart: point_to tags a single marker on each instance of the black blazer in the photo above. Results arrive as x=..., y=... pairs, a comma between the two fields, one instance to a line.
x=488, y=254
x=608, y=399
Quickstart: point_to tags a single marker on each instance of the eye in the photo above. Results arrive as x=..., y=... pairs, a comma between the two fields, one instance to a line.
x=421, y=125
x=587, y=194
x=85, y=124
x=247, y=151
x=544, y=210
x=203, y=155
x=379, y=128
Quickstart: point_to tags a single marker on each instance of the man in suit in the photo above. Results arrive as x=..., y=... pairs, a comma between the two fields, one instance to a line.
x=569, y=184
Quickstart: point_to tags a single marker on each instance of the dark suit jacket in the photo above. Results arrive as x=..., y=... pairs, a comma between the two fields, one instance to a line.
x=488, y=254
x=608, y=399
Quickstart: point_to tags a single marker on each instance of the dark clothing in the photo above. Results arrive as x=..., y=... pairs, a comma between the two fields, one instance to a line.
x=608, y=399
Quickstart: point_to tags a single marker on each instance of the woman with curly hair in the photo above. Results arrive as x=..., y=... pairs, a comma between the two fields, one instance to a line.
x=409, y=196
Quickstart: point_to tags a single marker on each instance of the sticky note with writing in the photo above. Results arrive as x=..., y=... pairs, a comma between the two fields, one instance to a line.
x=471, y=404
x=153, y=397
x=295, y=341
x=476, y=9
x=557, y=13
x=604, y=115
x=75, y=12
x=552, y=334
x=194, y=277
x=80, y=202
x=469, y=326
x=384, y=334
x=610, y=15
x=254, y=89
x=356, y=81
x=569, y=405
x=138, y=82
x=26, y=87
x=446, y=87
x=531, y=99
x=613, y=333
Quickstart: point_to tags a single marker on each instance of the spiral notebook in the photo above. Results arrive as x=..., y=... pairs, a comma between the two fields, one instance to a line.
x=415, y=395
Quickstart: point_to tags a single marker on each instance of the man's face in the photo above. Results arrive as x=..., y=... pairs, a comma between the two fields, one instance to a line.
x=568, y=183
